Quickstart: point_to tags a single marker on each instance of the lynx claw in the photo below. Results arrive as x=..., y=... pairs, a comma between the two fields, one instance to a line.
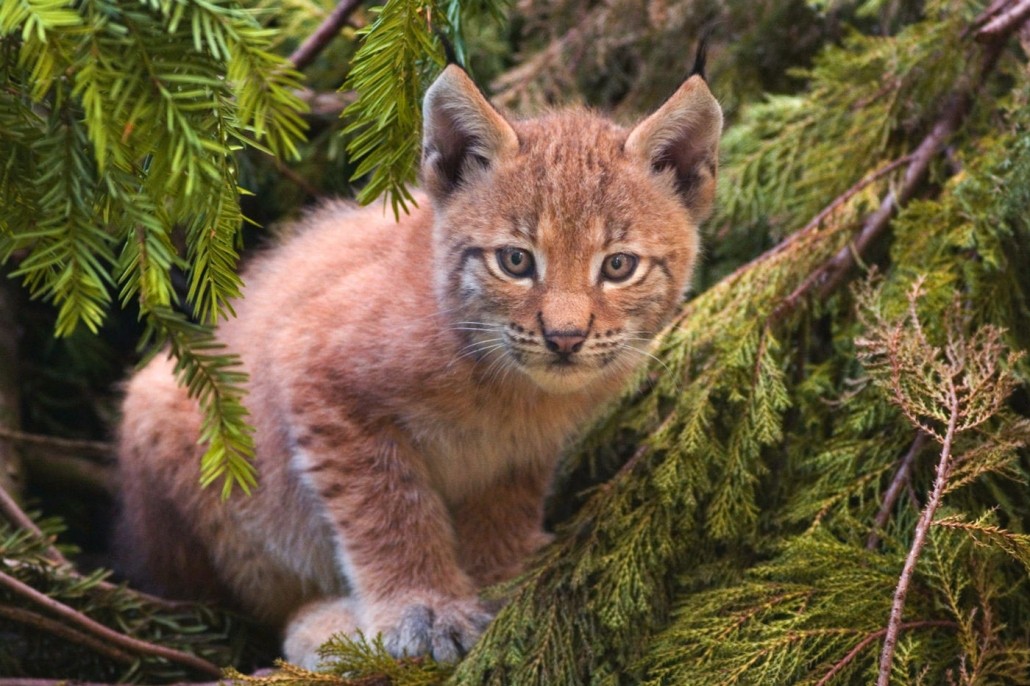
x=446, y=633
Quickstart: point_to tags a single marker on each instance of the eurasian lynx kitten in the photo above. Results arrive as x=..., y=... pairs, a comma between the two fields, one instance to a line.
x=413, y=383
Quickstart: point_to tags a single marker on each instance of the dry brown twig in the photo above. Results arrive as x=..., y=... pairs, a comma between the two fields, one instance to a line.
x=100, y=448
x=944, y=391
x=869, y=638
x=898, y=485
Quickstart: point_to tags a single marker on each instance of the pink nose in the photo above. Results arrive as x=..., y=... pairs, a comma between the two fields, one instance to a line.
x=564, y=342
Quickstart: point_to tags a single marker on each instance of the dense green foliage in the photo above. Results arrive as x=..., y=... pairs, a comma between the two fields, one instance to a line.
x=744, y=513
x=734, y=545
x=120, y=123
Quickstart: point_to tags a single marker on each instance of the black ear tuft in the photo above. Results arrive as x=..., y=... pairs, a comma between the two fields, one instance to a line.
x=448, y=47
x=682, y=137
x=701, y=56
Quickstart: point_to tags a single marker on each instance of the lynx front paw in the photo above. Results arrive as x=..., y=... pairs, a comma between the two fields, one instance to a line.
x=314, y=624
x=445, y=630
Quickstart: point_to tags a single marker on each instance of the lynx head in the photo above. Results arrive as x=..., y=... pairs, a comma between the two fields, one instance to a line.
x=563, y=244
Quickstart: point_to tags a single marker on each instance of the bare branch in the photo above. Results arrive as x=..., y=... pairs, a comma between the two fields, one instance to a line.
x=894, y=491
x=316, y=42
x=817, y=221
x=827, y=278
x=922, y=529
x=55, y=628
x=869, y=638
x=94, y=447
x=1007, y=21
x=117, y=639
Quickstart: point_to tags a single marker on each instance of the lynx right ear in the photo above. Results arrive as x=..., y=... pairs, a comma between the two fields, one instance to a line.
x=683, y=136
x=461, y=131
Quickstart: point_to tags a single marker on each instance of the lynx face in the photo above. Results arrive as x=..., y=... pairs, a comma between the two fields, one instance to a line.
x=566, y=240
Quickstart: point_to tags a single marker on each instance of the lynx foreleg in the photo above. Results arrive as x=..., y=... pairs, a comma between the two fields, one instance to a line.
x=500, y=528
x=395, y=542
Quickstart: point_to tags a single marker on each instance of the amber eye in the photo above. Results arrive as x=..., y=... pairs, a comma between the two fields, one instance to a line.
x=516, y=262
x=619, y=267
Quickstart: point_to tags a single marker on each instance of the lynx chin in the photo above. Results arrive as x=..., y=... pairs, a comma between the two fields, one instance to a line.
x=413, y=383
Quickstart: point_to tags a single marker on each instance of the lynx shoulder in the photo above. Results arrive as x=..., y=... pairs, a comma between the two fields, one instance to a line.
x=412, y=383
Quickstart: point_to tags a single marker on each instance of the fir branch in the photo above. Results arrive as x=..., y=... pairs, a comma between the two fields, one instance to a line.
x=388, y=72
x=317, y=41
x=985, y=533
x=115, y=638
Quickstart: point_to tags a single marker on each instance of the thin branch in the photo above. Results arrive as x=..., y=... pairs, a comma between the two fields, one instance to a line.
x=17, y=516
x=66, y=470
x=121, y=640
x=869, y=638
x=922, y=529
x=1006, y=22
x=327, y=30
x=95, y=447
x=323, y=104
x=55, y=628
x=837, y=202
x=296, y=179
x=897, y=487
x=832, y=273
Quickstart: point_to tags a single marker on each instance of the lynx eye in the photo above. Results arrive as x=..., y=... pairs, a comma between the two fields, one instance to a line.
x=619, y=266
x=516, y=262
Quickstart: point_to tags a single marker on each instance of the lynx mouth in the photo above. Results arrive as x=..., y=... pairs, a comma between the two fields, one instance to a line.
x=561, y=374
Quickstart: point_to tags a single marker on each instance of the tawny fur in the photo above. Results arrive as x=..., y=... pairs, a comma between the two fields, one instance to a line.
x=408, y=401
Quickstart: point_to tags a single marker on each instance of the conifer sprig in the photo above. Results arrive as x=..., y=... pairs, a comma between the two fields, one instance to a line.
x=399, y=55
x=126, y=121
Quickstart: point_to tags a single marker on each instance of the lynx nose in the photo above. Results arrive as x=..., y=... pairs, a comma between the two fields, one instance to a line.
x=564, y=342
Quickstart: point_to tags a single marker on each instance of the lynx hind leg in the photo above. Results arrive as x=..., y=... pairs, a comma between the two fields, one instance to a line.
x=314, y=624
x=156, y=546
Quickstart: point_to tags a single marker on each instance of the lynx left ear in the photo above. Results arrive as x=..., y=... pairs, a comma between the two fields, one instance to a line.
x=683, y=136
x=461, y=131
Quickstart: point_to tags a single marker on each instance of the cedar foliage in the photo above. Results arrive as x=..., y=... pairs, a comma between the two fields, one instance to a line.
x=745, y=512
